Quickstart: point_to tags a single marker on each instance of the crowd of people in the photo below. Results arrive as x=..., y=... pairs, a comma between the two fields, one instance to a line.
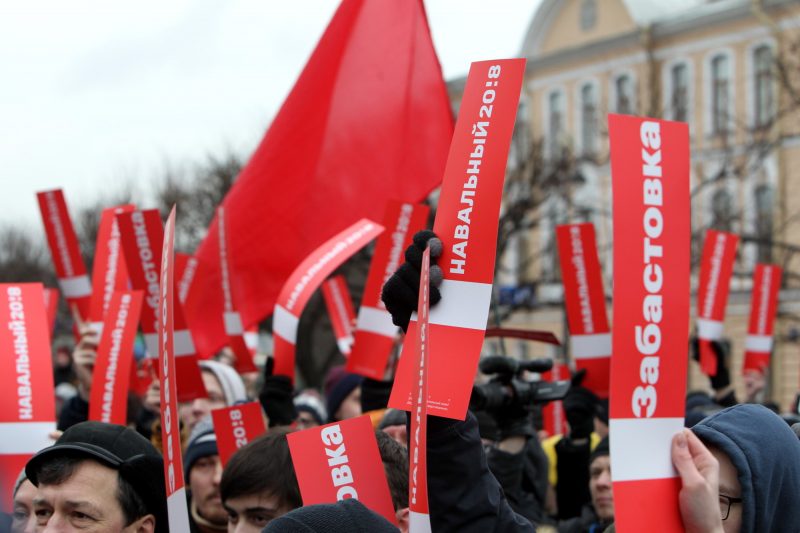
x=739, y=463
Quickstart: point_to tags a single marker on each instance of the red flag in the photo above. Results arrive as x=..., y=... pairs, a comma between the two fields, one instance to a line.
x=716, y=267
x=763, y=306
x=650, y=175
x=368, y=120
x=51, y=305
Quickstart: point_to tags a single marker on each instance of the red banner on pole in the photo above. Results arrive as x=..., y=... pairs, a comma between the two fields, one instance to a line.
x=418, y=515
x=109, y=272
x=305, y=279
x=230, y=315
x=170, y=427
x=340, y=310
x=650, y=176
x=73, y=278
x=466, y=221
x=27, y=403
x=375, y=333
x=142, y=234
x=763, y=307
x=590, y=336
x=340, y=461
x=235, y=426
x=51, y=306
x=719, y=254
x=111, y=378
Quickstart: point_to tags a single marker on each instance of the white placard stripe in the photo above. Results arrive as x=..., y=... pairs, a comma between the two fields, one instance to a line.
x=285, y=324
x=233, y=323
x=643, y=446
x=758, y=343
x=376, y=321
x=178, y=512
x=182, y=343
x=75, y=287
x=419, y=522
x=709, y=330
x=592, y=346
x=465, y=304
x=20, y=438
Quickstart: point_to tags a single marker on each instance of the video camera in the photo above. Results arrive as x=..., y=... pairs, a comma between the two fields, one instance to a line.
x=508, y=388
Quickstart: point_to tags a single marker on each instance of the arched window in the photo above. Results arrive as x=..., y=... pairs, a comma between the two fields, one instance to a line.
x=679, y=75
x=762, y=104
x=624, y=89
x=764, y=200
x=555, y=122
x=722, y=210
x=588, y=118
x=720, y=93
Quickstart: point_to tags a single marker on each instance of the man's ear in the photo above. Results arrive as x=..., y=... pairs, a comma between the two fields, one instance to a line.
x=402, y=519
x=145, y=524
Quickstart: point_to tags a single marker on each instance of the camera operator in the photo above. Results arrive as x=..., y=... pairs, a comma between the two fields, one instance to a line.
x=514, y=454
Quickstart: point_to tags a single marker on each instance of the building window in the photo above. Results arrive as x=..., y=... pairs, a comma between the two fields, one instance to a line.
x=764, y=200
x=588, y=14
x=556, y=122
x=624, y=89
x=722, y=210
x=588, y=118
x=720, y=93
x=679, y=75
x=762, y=59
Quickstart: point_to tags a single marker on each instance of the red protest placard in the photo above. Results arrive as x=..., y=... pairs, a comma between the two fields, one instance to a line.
x=546, y=337
x=235, y=426
x=340, y=461
x=142, y=234
x=185, y=267
x=553, y=414
x=650, y=176
x=590, y=336
x=27, y=404
x=51, y=306
x=375, y=333
x=340, y=310
x=716, y=267
x=111, y=379
x=170, y=427
x=73, y=278
x=109, y=272
x=763, y=307
x=230, y=316
x=305, y=279
x=466, y=221
x=418, y=516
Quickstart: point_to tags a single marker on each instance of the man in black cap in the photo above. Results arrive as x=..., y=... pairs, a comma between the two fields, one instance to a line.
x=101, y=478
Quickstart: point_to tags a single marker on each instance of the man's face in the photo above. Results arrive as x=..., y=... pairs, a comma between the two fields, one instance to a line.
x=351, y=406
x=600, y=487
x=729, y=486
x=86, y=501
x=305, y=420
x=252, y=512
x=24, y=520
x=204, y=483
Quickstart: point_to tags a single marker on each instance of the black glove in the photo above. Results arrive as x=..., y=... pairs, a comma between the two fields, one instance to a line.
x=721, y=349
x=401, y=291
x=375, y=394
x=276, y=397
x=580, y=406
x=515, y=420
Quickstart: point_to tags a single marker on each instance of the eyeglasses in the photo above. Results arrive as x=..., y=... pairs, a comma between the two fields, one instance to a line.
x=725, y=503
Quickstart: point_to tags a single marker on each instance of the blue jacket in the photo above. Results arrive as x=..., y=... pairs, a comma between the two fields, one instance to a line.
x=766, y=453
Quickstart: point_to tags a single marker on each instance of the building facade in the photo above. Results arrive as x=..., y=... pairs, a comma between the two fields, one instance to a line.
x=727, y=68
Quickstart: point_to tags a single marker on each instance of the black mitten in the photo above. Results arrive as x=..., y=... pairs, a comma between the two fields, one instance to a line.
x=401, y=291
x=721, y=350
x=276, y=398
x=375, y=394
x=580, y=406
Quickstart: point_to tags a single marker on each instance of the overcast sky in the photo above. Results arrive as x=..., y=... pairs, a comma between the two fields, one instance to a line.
x=94, y=93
